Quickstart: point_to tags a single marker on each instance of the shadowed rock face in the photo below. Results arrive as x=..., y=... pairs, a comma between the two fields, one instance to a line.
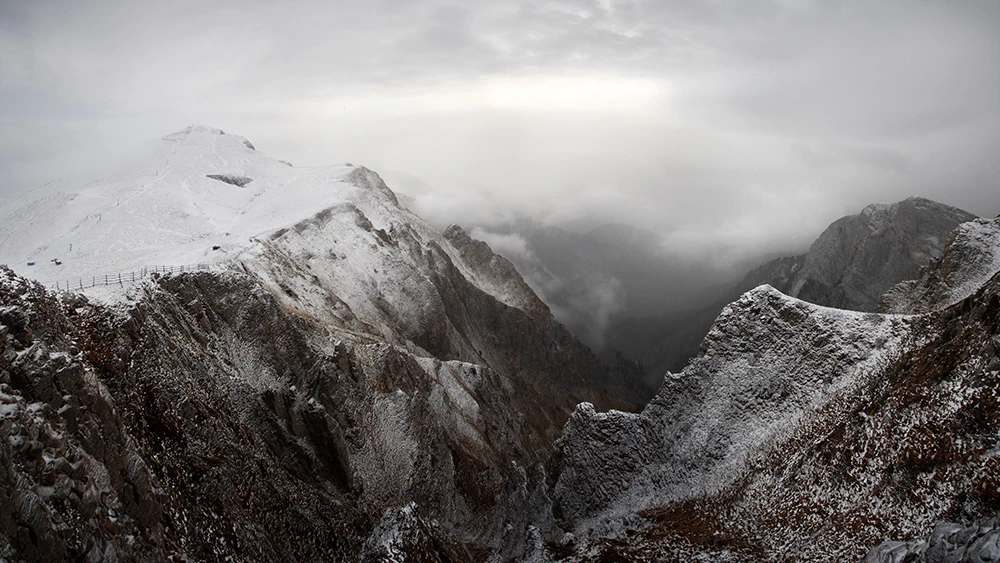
x=800, y=432
x=486, y=265
x=208, y=421
x=238, y=181
x=859, y=257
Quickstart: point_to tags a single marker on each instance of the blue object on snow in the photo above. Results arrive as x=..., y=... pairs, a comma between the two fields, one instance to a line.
x=31, y=263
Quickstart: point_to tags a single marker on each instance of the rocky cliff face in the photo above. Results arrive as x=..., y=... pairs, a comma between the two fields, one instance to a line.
x=859, y=257
x=209, y=422
x=970, y=258
x=800, y=432
x=346, y=380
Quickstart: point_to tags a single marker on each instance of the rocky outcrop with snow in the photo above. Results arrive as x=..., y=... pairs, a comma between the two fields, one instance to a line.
x=769, y=361
x=948, y=543
x=207, y=421
x=800, y=432
x=403, y=537
x=971, y=257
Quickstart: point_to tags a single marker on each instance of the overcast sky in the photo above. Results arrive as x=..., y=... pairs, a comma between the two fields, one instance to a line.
x=741, y=125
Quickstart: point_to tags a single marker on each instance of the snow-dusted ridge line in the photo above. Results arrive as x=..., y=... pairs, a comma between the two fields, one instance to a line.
x=165, y=209
x=768, y=361
x=798, y=427
x=970, y=259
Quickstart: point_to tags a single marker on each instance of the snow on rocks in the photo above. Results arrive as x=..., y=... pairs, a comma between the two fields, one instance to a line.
x=404, y=537
x=799, y=431
x=189, y=199
x=948, y=543
x=971, y=257
x=769, y=361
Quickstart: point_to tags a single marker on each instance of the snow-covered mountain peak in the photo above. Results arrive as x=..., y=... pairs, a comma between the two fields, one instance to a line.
x=185, y=194
x=416, y=365
x=198, y=134
x=193, y=130
x=330, y=241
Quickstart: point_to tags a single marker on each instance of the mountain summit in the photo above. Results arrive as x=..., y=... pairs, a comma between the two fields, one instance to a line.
x=170, y=206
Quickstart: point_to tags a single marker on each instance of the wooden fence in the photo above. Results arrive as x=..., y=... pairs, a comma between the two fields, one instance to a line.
x=122, y=278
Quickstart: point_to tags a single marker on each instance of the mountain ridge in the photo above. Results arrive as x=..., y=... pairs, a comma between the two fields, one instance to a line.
x=882, y=245
x=790, y=435
x=341, y=355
